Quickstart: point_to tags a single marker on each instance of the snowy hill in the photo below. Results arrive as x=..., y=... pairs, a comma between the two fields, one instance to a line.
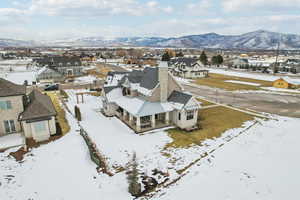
x=16, y=43
x=260, y=39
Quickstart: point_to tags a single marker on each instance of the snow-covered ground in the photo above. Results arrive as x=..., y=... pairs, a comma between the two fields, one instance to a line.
x=11, y=140
x=265, y=77
x=58, y=170
x=85, y=79
x=19, y=77
x=242, y=82
x=282, y=90
x=259, y=164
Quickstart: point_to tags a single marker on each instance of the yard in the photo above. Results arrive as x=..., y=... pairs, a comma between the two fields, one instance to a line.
x=219, y=81
x=61, y=114
x=213, y=122
x=204, y=102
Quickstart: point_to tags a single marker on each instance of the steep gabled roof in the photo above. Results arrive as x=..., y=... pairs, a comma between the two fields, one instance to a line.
x=189, y=62
x=8, y=88
x=39, y=106
x=149, y=79
x=179, y=97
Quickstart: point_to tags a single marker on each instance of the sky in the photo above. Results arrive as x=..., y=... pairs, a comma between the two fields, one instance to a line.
x=64, y=19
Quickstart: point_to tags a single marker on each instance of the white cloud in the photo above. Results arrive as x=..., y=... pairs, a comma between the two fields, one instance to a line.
x=95, y=7
x=199, y=8
x=264, y=5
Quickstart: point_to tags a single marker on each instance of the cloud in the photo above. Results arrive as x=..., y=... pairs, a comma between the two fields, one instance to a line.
x=78, y=8
x=263, y=5
x=199, y=8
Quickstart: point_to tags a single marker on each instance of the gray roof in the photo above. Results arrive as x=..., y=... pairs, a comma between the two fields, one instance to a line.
x=179, y=97
x=149, y=79
x=183, y=60
x=8, y=88
x=39, y=106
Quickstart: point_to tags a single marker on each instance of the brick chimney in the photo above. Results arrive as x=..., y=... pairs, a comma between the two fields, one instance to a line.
x=163, y=80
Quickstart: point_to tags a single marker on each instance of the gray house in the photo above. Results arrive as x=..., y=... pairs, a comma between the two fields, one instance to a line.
x=149, y=99
x=63, y=65
x=32, y=116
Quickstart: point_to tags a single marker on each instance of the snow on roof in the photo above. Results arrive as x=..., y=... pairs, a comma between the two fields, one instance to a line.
x=137, y=106
x=291, y=81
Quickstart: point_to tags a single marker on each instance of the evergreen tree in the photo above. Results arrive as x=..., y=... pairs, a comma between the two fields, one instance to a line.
x=203, y=58
x=220, y=59
x=180, y=54
x=165, y=57
x=134, y=187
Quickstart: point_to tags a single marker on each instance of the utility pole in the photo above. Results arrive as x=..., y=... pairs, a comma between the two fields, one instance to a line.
x=275, y=70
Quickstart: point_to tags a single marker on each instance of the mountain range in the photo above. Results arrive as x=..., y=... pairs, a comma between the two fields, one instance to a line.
x=260, y=39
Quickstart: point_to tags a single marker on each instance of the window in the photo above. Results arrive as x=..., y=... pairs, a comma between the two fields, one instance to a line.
x=39, y=126
x=9, y=126
x=5, y=105
x=179, y=116
x=189, y=115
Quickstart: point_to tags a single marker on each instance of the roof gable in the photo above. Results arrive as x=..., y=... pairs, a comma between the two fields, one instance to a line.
x=8, y=88
x=40, y=105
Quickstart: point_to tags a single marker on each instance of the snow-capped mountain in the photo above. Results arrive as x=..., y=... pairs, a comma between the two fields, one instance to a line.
x=260, y=39
x=16, y=43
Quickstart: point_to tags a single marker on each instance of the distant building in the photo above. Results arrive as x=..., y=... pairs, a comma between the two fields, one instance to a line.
x=187, y=68
x=66, y=66
x=286, y=83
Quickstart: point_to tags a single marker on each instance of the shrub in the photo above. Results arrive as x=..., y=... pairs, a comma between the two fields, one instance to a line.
x=134, y=187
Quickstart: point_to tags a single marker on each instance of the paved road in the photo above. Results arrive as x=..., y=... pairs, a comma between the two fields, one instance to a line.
x=285, y=105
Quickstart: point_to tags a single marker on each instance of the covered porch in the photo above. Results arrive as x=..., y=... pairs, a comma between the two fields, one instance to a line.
x=144, y=123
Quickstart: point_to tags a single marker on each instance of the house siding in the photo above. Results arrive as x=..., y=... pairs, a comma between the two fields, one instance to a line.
x=11, y=114
x=30, y=132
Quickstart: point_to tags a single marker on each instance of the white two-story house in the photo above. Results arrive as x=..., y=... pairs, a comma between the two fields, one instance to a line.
x=32, y=116
x=187, y=68
x=149, y=99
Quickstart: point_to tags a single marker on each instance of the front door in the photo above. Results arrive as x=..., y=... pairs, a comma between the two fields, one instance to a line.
x=9, y=126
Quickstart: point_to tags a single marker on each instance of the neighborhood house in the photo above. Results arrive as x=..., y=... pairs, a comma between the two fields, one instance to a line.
x=187, y=68
x=286, y=83
x=149, y=99
x=32, y=116
x=55, y=69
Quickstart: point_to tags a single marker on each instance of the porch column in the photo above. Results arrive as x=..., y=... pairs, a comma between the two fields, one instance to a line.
x=138, y=123
x=167, y=118
x=130, y=118
x=153, y=121
x=124, y=114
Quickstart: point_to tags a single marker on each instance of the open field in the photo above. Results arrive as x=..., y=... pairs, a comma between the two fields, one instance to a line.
x=218, y=81
x=213, y=122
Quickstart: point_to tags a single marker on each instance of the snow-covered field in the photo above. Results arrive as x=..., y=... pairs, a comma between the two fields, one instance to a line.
x=242, y=82
x=281, y=90
x=58, y=170
x=85, y=79
x=259, y=164
x=265, y=77
x=11, y=140
x=19, y=77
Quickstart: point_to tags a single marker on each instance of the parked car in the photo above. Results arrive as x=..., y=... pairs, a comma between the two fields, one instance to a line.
x=52, y=87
